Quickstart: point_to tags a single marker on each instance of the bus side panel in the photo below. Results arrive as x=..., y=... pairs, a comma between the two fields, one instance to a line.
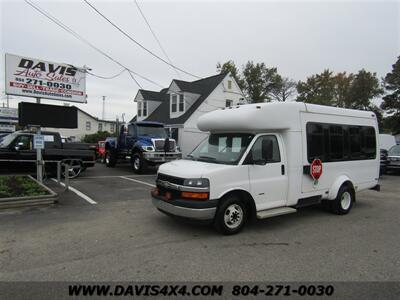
x=294, y=164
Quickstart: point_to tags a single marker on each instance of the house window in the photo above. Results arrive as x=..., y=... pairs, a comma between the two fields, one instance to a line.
x=144, y=108
x=228, y=103
x=112, y=127
x=229, y=84
x=174, y=103
x=181, y=103
x=139, y=109
x=100, y=126
x=88, y=126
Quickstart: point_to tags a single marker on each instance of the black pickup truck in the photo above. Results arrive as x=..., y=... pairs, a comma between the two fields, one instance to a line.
x=17, y=153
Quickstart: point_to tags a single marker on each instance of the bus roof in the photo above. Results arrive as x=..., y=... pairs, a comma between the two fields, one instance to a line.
x=270, y=116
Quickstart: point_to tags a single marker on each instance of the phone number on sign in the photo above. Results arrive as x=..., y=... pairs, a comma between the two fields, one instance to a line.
x=283, y=290
x=49, y=83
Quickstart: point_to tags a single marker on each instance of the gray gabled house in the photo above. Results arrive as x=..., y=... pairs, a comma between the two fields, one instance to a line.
x=183, y=102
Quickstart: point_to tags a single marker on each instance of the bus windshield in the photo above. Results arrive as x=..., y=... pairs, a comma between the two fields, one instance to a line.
x=222, y=148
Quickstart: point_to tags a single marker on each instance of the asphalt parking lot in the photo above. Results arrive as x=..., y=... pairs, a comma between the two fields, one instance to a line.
x=112, y=232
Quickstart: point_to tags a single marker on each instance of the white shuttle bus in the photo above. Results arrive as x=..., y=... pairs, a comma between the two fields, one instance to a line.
x=269, y=159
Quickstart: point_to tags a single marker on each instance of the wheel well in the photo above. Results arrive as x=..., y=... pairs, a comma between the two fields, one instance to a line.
x=350, y=185
x=246, y=198
x=136, y=150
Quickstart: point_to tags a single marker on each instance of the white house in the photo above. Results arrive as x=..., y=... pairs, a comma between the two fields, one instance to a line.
x=8, y=119
x=183, y=102
x=87, y=124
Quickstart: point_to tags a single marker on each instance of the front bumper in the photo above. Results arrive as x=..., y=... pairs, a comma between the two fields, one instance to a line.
x=392, y=166
x=161, y=157
x=202, y=214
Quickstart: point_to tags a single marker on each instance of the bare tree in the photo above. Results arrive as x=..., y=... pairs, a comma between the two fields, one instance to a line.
x=284, y=89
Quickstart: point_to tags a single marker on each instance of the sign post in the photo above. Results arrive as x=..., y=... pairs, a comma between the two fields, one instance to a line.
x=38, y=144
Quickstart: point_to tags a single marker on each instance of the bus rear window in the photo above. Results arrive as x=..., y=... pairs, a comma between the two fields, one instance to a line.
x=334, y=142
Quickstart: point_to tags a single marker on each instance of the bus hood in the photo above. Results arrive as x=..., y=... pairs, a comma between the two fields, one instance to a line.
x=185, y=168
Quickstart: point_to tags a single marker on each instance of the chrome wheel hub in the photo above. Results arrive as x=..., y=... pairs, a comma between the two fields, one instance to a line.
x=74, y=168
x=233, y=216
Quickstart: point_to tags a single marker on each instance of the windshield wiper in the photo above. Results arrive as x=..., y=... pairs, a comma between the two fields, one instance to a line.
x=189, y=156
x=207, y=158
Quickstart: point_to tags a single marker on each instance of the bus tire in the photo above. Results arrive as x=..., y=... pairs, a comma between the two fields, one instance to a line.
x=344, y=200
x=231, y=215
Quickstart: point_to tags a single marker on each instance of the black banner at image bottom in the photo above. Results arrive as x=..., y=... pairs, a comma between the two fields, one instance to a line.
x=200, y=290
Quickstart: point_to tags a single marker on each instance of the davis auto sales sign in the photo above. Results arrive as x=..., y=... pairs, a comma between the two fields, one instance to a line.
x=31, y=77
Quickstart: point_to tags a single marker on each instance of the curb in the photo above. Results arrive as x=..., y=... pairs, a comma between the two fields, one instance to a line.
x=26, y=201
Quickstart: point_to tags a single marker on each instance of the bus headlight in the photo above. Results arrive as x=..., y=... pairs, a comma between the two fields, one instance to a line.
x=197, y=182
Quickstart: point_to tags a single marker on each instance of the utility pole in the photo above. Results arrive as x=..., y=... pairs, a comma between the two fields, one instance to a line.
x=8, y=101
x=104, y=107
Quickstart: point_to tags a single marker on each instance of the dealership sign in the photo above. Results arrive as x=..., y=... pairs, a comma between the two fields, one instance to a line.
x=30, y=77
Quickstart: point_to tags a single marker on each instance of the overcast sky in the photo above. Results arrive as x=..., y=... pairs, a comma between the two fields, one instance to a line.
x=299, y=38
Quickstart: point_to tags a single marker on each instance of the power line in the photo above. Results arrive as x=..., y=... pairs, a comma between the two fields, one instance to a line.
x=69, y=30
x=136, y=42
x=155, y=37
x=76, y=35
x=134, y=79
x=111, y=77
x=105, y=77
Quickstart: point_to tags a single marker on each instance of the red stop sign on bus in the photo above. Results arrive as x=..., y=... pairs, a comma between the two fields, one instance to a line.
x=316, y=169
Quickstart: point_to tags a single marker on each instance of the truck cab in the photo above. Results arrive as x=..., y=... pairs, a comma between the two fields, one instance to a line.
x=266, y=160
x=17, y=152
x=144, y=144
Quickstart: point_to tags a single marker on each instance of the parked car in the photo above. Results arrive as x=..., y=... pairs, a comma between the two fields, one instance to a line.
x=16, y=152
x=383, y=162
x=144, y=144
x=393, y=159
x=269, y=159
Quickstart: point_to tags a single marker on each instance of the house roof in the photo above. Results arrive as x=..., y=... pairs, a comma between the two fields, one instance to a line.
x=154, y=96
x=203, y=87
x=93, y=117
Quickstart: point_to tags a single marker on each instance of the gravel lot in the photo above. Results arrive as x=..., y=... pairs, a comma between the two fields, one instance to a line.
x=123, y=237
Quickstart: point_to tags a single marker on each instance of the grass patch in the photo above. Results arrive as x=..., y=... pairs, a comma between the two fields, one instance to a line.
x=20, y=186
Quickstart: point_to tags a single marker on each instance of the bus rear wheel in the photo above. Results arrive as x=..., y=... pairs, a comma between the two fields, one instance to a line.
x=344, y=200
